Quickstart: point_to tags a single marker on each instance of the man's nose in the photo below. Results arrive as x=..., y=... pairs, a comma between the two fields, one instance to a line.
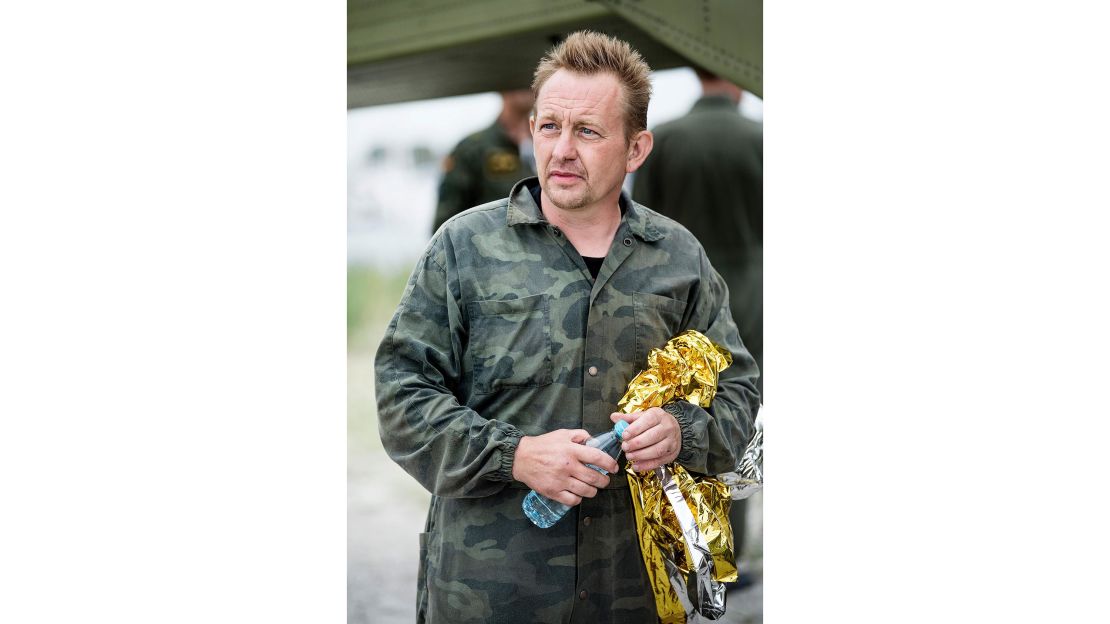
x=564, y=146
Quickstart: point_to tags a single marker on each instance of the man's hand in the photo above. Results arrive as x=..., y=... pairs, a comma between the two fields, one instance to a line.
x=554, y=464
x=652, y=439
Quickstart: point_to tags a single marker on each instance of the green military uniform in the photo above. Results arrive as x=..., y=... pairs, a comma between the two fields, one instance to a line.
x=501, y=333
x=706, y=172
x=482, y=168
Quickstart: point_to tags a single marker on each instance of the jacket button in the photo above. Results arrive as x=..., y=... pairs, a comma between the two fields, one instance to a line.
x=582, y=595
x=627, y=242
x=592, y=371
x=586, y=521
x=557, y=231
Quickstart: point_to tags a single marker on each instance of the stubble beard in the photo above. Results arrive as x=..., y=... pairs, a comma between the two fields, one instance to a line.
x=565, y=200
x=568, y=198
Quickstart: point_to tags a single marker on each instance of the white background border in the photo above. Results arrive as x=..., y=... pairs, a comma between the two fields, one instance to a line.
x=172, y=257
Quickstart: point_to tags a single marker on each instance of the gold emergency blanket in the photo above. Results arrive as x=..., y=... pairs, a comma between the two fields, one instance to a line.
x=682, y=520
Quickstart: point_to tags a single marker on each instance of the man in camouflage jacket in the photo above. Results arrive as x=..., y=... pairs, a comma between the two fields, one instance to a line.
x=506, y=349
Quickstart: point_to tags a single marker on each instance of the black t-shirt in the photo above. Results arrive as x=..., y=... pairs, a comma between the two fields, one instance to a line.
x=594, y=265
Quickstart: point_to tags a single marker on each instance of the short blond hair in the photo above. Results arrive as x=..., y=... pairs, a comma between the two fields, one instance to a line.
x=586, y=52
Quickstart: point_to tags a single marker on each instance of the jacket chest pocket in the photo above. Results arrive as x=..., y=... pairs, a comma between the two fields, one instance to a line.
x=658, y=319
x=510, y=343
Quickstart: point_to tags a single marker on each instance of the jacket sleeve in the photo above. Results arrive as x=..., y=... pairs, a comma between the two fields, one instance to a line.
x=449, y=448
x=714, y=439
x=458, y=188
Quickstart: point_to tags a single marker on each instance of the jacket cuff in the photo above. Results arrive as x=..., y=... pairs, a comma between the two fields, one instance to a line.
x=679, y=409
x=508, y=455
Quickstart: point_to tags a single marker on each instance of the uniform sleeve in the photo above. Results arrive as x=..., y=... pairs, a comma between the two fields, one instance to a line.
x=458, y=188
x=714, y=439
x=449, y=448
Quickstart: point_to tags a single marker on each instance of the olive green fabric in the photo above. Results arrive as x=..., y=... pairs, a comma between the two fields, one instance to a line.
x=706, y=172
x=494, y=339
x=482, y=168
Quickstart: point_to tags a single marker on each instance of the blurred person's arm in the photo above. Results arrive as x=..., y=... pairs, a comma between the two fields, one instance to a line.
x=458, y=188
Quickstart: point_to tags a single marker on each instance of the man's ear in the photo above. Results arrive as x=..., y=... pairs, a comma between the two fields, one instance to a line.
x=638, y=150
x=532, y=125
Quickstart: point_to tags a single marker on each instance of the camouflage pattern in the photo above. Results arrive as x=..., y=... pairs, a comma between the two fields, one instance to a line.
x=494, y=339
x=482, y=168
x=706, y=172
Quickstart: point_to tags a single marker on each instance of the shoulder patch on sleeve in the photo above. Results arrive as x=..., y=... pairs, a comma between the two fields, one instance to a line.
x=501, y=163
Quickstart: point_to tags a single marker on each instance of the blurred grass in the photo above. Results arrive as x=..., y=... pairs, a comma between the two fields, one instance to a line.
x=372, y=297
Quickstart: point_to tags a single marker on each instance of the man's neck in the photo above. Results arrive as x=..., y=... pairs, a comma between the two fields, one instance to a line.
x=719, y=88
x=590, y=229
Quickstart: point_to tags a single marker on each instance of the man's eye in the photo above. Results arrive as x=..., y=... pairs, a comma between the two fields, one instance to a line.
x=588, y=132
x=547, y=126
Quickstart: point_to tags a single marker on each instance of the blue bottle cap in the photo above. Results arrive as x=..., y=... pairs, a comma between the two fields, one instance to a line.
x=620, y=427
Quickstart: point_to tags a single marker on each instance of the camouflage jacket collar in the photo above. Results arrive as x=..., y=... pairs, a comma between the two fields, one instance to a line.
x=524, y=210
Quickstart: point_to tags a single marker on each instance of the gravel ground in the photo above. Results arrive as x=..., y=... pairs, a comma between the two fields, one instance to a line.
x=385, y=515
x=745, y=606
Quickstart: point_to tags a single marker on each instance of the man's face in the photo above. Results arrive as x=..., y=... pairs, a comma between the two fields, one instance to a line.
x=582, y=154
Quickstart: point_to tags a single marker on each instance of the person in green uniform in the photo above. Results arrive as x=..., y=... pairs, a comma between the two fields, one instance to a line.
x=706, y=172
x=485, y=165
x=517, y=335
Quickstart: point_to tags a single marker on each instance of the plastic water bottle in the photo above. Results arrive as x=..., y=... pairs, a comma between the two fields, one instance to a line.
x=544, y=512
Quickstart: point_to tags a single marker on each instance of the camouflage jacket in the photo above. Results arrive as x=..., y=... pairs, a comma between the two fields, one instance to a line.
x=502, y=332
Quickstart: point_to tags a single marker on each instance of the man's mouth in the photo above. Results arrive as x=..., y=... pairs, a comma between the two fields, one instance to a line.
x=562, y=176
